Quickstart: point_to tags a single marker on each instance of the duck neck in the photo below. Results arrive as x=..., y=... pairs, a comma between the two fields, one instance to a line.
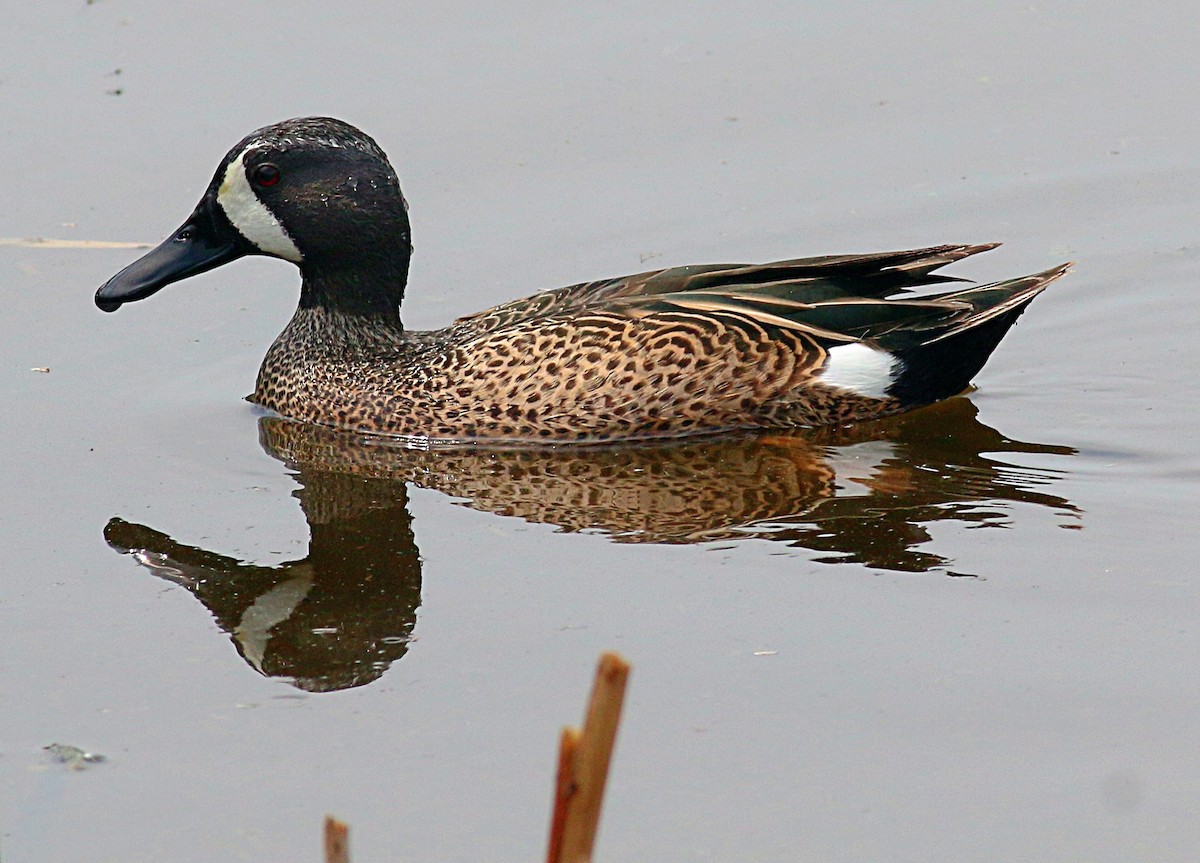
x=372, y=289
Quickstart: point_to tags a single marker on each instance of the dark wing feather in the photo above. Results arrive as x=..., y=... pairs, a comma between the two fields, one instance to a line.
x=790, y=294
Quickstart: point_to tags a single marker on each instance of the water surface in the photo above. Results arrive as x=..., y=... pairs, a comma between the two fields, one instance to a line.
x=963, y=634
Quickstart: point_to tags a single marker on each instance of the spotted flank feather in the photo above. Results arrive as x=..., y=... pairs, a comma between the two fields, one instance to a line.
x=685, y=350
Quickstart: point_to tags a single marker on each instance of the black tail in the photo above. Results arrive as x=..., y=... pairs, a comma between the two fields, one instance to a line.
x=943, y=364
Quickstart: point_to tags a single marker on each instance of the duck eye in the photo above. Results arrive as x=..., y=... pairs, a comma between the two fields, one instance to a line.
x=265, y=174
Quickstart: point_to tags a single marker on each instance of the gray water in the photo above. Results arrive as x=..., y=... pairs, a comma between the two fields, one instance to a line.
x=967, y=634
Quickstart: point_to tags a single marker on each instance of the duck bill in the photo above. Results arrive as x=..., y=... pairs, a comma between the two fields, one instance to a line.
x=203, y=242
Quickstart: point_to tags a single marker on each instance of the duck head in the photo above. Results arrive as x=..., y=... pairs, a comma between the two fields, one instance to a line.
x=314, y=191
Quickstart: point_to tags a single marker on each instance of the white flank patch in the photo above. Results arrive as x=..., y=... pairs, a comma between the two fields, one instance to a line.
x=860, y=369
x=250, y=215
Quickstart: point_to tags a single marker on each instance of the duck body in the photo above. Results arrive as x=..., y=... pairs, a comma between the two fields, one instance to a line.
x=688, y=350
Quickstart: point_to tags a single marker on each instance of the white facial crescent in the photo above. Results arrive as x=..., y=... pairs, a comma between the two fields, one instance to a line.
x=250, y=215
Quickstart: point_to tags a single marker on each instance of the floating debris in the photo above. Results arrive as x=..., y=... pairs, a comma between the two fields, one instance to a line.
x=74, y=757
x=51, y=243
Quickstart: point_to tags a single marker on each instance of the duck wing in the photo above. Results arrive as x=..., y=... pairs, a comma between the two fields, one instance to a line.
x=838, y=297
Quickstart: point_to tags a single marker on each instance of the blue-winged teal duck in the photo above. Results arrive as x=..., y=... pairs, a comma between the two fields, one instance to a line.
x=687, y=350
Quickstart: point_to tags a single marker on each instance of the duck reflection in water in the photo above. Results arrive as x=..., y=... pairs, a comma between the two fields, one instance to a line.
x=339, y=617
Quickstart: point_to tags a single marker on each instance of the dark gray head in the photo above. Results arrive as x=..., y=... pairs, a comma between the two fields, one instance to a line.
x=314, y=191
